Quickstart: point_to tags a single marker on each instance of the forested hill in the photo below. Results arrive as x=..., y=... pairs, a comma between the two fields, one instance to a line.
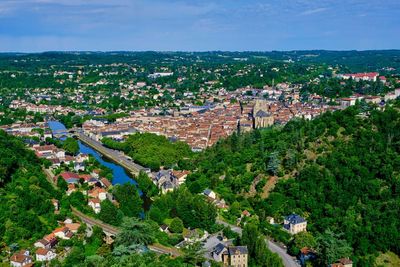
x=339, y=171
x=26, y=211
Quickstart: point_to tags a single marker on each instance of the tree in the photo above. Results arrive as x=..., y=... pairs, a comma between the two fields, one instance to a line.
x=94, y=261
x=71, y=145
x=263, y=256
x=129, y=199
x=257, y=247
x=135, y=232
x=273, y=163
x=176, y=226
x=75, y=257
x=109, y=213
x=62, y=184
x=157, y=215
x=194, y=210
x=331, y=248
x=146, y=185
x=193, y=254
x=302, y=240
x=249, y=238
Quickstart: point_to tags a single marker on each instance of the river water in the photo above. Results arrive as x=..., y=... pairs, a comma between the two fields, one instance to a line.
x=120, y=175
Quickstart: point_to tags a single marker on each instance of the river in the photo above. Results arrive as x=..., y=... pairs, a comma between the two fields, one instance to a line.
x=120, y=175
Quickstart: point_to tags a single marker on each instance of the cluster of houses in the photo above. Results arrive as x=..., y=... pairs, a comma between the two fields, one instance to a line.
x=28, y=130
x=44, y=248
x=57, y=156
x=351, y=101
x=99, y=187
x=45, y=109
x=365, y=76
x=200, y=127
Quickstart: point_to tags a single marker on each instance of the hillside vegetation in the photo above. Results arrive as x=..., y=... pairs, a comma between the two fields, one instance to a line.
x=26, y=211
x=339, y=171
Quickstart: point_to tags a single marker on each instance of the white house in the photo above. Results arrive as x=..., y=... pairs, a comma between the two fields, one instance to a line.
x=94, y=203
x=21, y=259
x=43, y=254
x=63, y=233
x=294, y=224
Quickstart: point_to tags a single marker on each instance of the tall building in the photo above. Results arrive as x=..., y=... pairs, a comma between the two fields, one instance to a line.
x=262, y=117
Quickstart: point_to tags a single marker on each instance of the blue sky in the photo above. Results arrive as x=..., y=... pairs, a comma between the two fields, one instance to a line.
x=170, y=25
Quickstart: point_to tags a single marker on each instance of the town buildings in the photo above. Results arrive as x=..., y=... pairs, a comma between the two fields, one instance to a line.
x=366, y=76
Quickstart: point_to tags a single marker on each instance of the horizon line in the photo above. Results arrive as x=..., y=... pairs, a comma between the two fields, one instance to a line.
x=193, y=51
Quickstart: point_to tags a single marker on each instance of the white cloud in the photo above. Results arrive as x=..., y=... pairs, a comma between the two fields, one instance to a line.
x=313, y=11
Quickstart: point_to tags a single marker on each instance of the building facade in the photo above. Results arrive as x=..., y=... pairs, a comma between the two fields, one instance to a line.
x=235, y=257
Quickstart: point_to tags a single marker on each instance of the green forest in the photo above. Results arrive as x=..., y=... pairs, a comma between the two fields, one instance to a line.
x=151, y=150
x=339, y=171
x=26, y=211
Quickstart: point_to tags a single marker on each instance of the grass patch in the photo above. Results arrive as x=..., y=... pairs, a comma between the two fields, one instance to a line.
x=388, y=259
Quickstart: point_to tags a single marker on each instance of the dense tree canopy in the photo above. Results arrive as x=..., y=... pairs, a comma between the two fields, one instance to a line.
x=341, y=172
x=129, y=200
x=26, y=211
x=151, y=150
x=192, y=209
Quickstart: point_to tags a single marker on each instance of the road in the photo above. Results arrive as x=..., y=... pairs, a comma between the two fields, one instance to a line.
x=91, y=221
x=287, y=260
x=112, y=230
x=116, y=156
x=234, y=228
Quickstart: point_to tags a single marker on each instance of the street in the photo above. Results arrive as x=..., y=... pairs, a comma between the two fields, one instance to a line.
x=288, y=260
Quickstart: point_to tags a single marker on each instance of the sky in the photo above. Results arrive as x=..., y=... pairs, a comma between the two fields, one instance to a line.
x=198, y=25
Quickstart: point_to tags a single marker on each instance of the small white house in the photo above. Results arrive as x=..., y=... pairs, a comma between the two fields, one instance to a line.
x=43, y=254
x=20, y=259
x=94, y=203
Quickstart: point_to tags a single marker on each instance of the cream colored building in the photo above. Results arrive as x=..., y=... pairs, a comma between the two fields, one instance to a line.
x=295, y=224
x=235, y=257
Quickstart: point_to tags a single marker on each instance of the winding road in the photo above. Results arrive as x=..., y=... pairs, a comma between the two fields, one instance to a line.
x=287, y=260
